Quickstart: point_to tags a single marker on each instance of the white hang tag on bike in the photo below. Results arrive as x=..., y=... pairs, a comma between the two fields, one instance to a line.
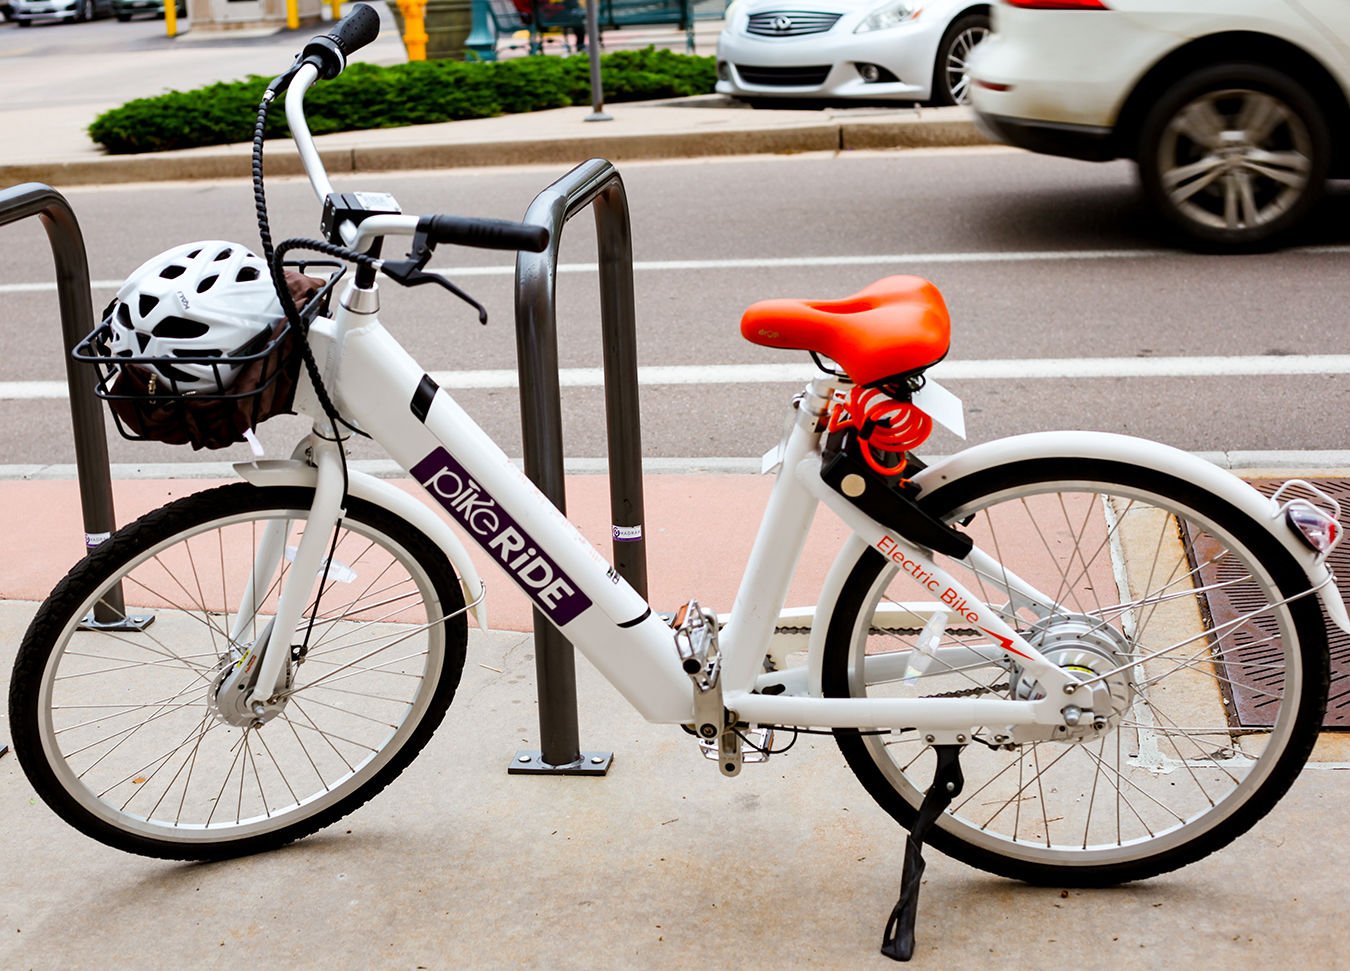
x=338, y=572
x=942, y=406
x=772, y=460
x=923, y=656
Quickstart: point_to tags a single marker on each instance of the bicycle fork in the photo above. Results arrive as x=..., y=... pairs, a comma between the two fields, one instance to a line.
x=262, y=671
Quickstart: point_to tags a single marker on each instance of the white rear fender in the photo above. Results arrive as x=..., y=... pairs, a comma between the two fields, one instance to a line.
x=1089, y=445
x=377, y=492
x=1151, y=455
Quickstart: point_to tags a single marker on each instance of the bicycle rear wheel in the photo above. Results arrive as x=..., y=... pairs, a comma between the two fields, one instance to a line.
x=129, y=735
x=1213, y=713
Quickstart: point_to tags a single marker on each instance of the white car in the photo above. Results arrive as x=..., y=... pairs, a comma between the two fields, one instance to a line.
x=1236, y=112
x=837, y=50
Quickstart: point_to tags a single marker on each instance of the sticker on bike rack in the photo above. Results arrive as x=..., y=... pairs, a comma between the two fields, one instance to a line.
x=627, y=534
x=493, y=528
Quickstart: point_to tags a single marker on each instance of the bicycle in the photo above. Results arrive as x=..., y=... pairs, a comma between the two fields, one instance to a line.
x=1022, y=650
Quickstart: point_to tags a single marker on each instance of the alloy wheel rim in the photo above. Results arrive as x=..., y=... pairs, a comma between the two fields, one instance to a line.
x=958, y=62
x=1235, y=159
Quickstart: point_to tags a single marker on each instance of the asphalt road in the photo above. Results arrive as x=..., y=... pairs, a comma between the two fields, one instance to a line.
x=1038, y=258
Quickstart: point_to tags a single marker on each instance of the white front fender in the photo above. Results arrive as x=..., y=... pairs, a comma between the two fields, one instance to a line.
x=377, y=492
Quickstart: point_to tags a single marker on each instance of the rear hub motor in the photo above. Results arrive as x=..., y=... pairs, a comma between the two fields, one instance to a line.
x=1090, y=649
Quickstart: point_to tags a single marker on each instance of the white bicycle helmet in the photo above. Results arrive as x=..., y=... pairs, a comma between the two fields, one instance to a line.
x=206, y=299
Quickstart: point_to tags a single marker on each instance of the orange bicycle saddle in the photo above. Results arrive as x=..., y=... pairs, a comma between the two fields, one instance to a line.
x=896, y=326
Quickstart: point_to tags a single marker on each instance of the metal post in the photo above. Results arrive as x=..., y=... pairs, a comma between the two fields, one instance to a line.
x=77, y=320
x=594, y=182
x=623, y=425
x=593, y=52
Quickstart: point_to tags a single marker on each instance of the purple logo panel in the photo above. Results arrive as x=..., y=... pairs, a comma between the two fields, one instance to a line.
x=492, y=528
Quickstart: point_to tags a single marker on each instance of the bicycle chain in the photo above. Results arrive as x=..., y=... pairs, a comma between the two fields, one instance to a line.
x=972, y=692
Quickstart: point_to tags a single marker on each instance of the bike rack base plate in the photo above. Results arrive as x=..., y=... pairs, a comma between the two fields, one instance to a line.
x=531, y=762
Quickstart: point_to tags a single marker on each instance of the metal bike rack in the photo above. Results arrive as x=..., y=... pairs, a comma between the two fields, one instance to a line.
x=593, y=183
x=77, y=320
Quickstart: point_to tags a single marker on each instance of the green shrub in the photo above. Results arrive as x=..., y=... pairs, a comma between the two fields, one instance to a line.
x=417, y=93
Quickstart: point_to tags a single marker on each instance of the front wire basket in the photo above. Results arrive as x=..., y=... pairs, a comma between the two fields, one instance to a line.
x=253, y=383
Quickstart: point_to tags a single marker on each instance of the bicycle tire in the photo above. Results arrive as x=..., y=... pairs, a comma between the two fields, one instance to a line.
x=1055, y=840
x=122, y=734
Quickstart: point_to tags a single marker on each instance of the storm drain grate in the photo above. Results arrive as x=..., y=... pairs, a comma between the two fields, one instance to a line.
x=1251, y=696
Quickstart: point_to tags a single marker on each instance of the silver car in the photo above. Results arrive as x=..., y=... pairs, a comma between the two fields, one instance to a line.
x=28, y=12
x=841, y=50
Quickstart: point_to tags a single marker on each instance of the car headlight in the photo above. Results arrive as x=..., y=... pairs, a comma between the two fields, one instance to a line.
x=890, y=15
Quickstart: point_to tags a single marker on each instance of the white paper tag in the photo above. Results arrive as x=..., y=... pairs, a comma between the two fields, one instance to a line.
x=942, y=406
x=627, y=534
x=772, y=460
x=338, y=572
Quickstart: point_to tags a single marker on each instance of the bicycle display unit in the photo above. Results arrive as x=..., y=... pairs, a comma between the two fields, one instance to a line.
x=1015, y=648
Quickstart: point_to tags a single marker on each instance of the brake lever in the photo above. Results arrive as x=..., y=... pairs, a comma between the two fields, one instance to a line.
x=412, y=273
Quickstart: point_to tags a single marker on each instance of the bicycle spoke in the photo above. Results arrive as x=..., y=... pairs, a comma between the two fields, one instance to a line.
x=1116, y=586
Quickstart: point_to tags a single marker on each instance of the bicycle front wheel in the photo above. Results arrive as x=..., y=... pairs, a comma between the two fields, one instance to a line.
x=1198, y=621
x=130, y=731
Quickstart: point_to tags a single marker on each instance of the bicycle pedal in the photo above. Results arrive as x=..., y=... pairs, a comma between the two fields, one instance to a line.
x=753, y=745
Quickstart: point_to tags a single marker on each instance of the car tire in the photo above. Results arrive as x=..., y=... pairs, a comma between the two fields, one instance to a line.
x=25, y=23
x=951, y=72
x=1234, y=156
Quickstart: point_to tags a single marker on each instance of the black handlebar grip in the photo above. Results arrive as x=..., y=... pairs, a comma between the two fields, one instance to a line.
x=484, y=233
x=330, y=51
x=357, y=29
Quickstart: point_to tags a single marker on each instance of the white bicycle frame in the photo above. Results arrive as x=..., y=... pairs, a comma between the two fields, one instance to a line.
x=380, y=388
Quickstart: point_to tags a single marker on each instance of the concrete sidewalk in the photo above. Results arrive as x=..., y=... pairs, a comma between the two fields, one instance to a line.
x=706, y=126
x=661, y=864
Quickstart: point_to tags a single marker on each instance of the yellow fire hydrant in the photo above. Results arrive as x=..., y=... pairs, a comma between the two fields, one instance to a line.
x=414, y=28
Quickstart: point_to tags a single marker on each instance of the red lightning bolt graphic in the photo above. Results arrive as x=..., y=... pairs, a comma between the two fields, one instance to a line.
x=1005, y=643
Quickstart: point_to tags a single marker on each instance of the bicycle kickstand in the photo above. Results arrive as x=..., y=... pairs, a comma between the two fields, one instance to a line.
x=898, y=941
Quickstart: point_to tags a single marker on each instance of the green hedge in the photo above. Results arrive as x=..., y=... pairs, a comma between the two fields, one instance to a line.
x=367, y=96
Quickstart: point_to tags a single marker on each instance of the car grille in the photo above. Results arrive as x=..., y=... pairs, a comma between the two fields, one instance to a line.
x=790, y=23
x=785, y=77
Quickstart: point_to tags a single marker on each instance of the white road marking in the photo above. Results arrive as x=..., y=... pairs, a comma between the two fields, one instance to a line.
x=791, y=262
x=990, y=370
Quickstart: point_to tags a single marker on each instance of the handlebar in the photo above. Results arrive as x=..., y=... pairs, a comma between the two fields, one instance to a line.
x=484, y=233
x=324, y=58
x=329, y=52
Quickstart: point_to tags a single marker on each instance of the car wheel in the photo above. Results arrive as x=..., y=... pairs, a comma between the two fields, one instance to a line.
x=951, y=70
x=1234, y=156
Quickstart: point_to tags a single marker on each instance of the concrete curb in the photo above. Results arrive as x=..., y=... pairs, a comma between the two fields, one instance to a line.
x=233, y=161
